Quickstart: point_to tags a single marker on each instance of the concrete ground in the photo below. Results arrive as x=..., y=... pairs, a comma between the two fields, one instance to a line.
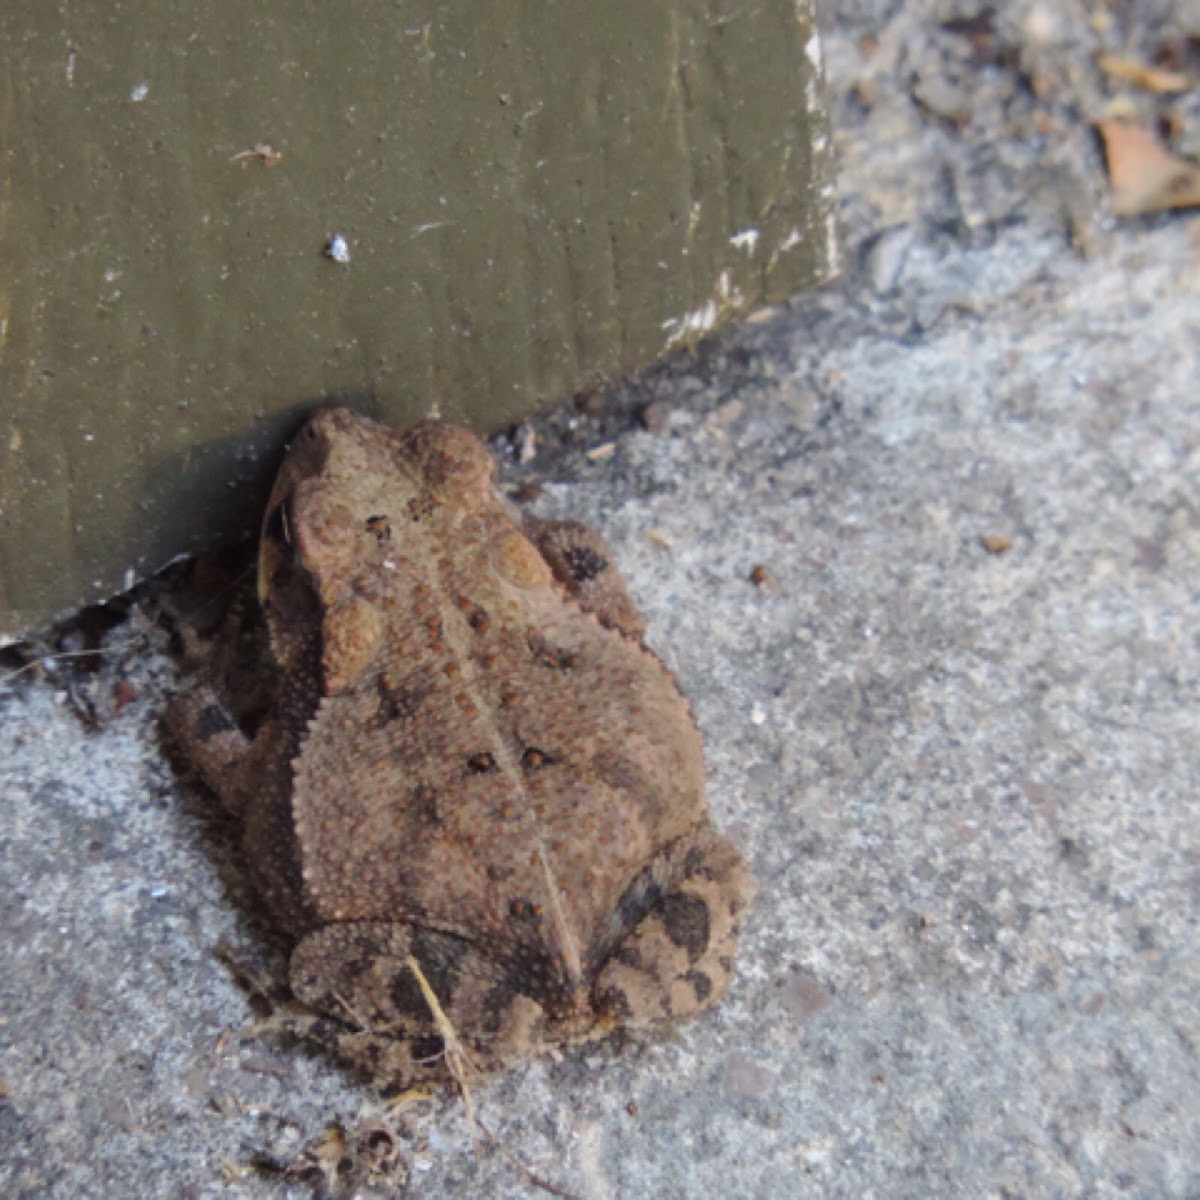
x=954, y=722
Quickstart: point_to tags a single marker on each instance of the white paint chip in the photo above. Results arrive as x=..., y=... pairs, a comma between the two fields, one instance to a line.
x=812, y=49
x=337, y=249
x=693, y=325
x=746, y=240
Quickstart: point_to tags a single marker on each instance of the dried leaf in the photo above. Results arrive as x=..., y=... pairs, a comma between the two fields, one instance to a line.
x=1145, y=176
x=263, y=151
x=1151, y=79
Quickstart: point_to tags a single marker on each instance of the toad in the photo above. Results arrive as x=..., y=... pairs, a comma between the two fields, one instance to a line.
x=471, y=761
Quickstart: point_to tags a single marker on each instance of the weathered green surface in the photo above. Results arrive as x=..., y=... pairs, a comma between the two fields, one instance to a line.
x=534, y=194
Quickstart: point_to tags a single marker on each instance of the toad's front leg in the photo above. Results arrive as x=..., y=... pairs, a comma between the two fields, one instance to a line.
x=201, y=726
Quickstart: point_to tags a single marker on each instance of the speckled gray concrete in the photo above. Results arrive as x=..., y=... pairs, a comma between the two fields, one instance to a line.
x=969, y=782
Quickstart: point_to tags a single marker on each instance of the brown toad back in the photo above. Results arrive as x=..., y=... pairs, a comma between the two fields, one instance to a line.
x=472, y=758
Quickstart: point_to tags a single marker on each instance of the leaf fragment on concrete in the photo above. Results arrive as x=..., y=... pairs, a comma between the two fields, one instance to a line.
x=1150, y=79
x=1145, y=176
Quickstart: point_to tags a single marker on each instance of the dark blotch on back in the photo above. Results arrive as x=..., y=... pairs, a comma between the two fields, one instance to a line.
x=380, y=528
x=547, y=655
x=639, y=898
x=686, y=921
x=396, y=704
x=613, y=1002
x=584, y=563
x=701, y=984
x=523, y=912
x=495, y=1007
x=441, y=960
x=427, y=1049
x=423, y=804
x=533, y=759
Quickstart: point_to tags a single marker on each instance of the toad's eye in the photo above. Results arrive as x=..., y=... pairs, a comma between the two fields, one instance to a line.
x=275, y=526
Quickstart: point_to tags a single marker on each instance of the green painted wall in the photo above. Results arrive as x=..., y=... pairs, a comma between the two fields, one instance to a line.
x=534, y=194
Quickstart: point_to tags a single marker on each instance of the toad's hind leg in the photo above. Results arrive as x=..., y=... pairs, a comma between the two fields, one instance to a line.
x=370, y=1009
x=678, y=959
x=582, y=563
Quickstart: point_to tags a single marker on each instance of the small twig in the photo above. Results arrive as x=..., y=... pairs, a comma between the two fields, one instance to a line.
x=263, y=151
x=526, y=1170
x=459, y=1062
x=42, y=659
x=457, y=1058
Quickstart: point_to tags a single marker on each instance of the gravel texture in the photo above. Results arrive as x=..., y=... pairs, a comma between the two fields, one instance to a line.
x=924, y=551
